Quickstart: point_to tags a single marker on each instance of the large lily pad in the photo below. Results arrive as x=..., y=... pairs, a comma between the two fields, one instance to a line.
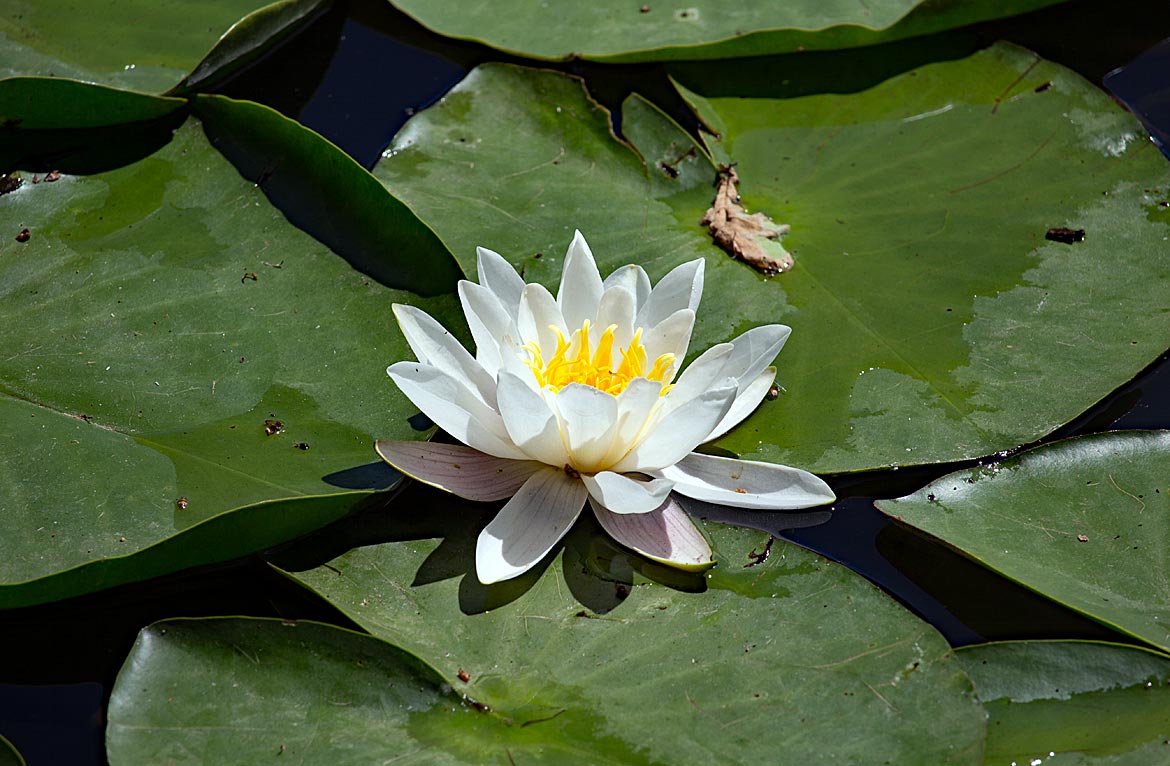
x=1083, y=521
x=615, y=30
x=146, y=45
x=174, y=350
x=1064, y=702
x=931, y=318
x=776, y=657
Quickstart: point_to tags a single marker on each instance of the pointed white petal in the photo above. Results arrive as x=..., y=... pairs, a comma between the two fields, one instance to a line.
x=588, y=421
x=531, y=423
x=616, y=308
x=538, y=312
x=490, y=323
x=666, y=535
x=454, y=408
x=635, y=407
x=747, y=483
x=497, y=275
x=745, y=402
x=580, y=288
x=529, y=525
x=670, y=336
x=755, y=350
x=680, y=289
x=633, y=278
x=434, y=345
x=678, y=432
x=624, y=494
x=699, y=376
x=458, y=469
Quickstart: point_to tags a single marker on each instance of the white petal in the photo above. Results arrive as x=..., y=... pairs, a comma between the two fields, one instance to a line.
x=665, y=534
x=530, y=421
x=624, y=494
x=747, y=483
x=635, y=406
x=490, y=323
x=678, y=432
x=616, y=308
x=588, y=422
x=454, y=408
x=755, y=350
x=699, y=376
x=434, y=345
x=680, y=289
x=745, y=402
x=497, y=275
x=633, y=278
x=538, y=312
x=580, y=288
x=458, y=469
x=670, y=336
x=529, y=525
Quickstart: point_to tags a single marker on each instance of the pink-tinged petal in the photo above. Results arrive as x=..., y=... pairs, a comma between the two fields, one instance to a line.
x=632, y=277
x=680, y=289
x=497, y=275
x=529, y=525
x=670, y=336
x=490, y=323
x=747, y=483
x=625, y=494
x=434, y=345
x=745, y=402
x=755, y=350
x=580, y=289
x=458, y=469
x=538, y=313
x=677, y=433
x=448, y=402
x=588, y=421
x=666, y=535
x=531, y=423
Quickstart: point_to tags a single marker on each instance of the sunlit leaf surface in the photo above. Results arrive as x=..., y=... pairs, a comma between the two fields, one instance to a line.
x=710, y=668
x=174, y=349
x=1065, y=702
x=1083, y=521
x=615, y=30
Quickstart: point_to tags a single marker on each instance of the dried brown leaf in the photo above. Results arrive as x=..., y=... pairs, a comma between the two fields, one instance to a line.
x=741, y=235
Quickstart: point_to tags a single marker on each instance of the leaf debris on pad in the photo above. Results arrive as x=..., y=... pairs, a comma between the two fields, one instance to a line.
x=746, y=237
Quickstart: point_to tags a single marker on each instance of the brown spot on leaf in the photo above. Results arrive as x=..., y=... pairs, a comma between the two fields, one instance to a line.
x=9, y=183
x=52, y=175
x=23, y=236
x=741, y=235
x=249, y=275
x=1082, y=539
x=272, y=427
x=463, y=675
x=301, y=445
x=1067, y=236
x=181, y=503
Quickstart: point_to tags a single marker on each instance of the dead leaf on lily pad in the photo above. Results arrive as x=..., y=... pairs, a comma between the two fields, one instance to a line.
x=753, y=239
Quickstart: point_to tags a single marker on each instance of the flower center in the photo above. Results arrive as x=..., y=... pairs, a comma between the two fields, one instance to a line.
x=578, y=360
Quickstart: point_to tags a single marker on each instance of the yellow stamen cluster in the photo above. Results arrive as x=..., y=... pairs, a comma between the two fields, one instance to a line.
x=577, y=360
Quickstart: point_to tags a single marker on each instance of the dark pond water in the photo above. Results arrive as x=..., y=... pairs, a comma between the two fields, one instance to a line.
x=356, y=75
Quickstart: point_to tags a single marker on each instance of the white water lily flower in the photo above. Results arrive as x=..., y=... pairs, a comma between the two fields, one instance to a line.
x=579, y=398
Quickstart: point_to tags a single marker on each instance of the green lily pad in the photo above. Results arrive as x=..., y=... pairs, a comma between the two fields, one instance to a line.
x=932, y=320
x=174, y=350
x=145, y=45
x=9, y=756
x=1066, y=702
x=717, y=668
x=51, y=124
x=624, y=31
x=1082, y=521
